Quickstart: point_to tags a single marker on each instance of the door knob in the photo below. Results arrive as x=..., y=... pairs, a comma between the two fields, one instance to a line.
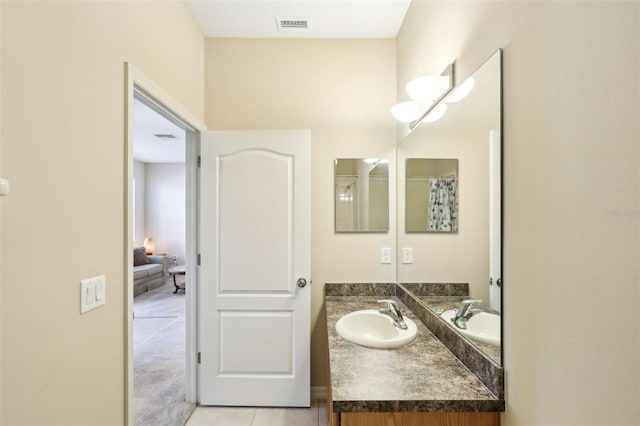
x=302, y=282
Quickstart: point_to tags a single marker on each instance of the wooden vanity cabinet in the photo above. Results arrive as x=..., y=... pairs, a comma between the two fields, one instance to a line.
x=414, y=419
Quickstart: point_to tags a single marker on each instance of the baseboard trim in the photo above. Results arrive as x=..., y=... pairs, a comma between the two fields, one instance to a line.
x=318, y=393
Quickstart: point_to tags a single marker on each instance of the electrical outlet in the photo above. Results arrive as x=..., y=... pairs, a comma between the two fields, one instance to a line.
x=385, y=255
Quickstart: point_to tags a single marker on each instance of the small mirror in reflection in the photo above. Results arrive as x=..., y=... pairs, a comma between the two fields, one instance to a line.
x=361, y=195
x=431, y=195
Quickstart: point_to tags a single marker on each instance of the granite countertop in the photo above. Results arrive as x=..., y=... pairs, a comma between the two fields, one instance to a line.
x=439, y=304
x=421, y=376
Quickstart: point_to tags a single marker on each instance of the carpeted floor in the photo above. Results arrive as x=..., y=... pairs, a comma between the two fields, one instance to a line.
x=159, y=358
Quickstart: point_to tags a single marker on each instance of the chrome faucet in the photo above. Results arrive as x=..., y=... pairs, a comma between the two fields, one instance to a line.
x=464, y=312
x=391, y=309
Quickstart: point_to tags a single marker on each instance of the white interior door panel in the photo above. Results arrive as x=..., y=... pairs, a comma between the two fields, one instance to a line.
x=254, y=321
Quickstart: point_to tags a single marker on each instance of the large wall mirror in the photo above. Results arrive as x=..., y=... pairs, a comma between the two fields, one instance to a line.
x=361, y=194
x=469, y=252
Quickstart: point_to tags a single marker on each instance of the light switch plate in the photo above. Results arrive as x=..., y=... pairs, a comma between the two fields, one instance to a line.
x=92, y=293
x=407, y=255
x=385, y=255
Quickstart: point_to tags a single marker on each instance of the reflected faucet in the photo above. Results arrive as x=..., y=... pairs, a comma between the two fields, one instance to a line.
x=391, y=309
x=464, y=312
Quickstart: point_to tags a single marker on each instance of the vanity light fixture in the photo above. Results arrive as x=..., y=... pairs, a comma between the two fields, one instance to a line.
x=426, y=92
x=461, y=91
x=428, y=88
x=409, y=111
x=435, y=114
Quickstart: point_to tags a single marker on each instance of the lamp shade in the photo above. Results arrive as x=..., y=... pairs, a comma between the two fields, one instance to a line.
x=427, y=88
x=149, y=245
x=461, y=91
x=436, y=114
x=406, y=112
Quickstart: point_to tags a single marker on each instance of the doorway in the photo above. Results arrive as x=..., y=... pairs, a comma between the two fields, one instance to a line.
x=159, y=328
x=142, y=90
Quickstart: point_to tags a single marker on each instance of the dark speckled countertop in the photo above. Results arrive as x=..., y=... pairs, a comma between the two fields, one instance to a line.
x=439, y=304
x=421, y=376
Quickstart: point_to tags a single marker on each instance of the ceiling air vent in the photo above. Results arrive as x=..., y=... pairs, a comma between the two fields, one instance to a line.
x=293, y=24
x=165, y=136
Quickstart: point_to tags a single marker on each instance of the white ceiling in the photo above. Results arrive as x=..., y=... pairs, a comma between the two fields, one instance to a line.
x=258, y=19
x=329, y=18
x=147, y=147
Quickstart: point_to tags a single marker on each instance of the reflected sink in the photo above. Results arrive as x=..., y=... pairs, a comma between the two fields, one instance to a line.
x=369, y=327
x=482, y=327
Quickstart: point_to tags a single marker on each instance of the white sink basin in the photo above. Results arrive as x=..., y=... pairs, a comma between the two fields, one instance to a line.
x=369, y=327
x=482, y=327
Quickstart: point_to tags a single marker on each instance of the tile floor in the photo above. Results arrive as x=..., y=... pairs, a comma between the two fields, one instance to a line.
x=251, y=416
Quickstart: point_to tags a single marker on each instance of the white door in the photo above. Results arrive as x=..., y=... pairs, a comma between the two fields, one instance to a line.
x=254, y=276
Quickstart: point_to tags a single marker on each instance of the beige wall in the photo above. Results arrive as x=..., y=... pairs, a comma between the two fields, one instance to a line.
x=340, y=89
x=63, y=118
x=571, y=240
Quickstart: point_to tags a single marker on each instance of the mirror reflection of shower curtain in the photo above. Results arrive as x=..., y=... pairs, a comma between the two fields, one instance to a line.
x=347, y=203
x=443, y=211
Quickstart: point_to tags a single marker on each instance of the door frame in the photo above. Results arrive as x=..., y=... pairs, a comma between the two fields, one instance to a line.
x=136, y=83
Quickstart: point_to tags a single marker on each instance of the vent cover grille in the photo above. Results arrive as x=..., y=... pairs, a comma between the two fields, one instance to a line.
x=164, y=136
x=293, y=23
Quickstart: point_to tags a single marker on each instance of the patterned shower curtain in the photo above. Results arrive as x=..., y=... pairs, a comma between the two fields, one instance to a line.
x=443, y=211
